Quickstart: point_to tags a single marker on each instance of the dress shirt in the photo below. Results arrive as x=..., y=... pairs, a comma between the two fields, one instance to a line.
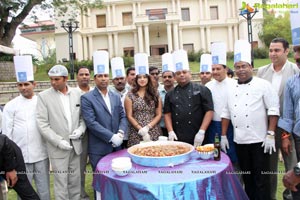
x=248, y=106
x=219, y=91
x=290, y=119
x=277, y=78
x=19, y=124
x=65, y=100
x=106, y=99
x=122, y=94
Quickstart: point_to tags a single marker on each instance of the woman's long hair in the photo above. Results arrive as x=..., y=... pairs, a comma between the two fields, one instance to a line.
x=151, y=92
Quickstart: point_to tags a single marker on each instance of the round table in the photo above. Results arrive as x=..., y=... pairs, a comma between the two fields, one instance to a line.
x=195, y=179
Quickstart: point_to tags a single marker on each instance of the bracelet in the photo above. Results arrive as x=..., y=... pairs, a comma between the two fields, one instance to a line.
x=284, y=135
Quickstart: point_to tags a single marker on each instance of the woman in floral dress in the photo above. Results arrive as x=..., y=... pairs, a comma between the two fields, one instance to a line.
x=143, y=109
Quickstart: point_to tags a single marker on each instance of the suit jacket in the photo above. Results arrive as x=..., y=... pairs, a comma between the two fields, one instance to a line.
x=100, y=122
x=53, y=124
x=266, y=72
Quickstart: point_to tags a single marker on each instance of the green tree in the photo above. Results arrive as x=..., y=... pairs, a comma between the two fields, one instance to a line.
x=13, y=13
x=273, y=27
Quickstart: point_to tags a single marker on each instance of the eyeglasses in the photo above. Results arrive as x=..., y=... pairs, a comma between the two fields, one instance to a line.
x=154, y=74
x=169, y=77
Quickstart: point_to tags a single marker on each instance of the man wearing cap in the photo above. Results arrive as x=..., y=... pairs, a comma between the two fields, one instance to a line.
x=253, y=107
x=188, y=108
x=83, y=80
x=277, y=73
x=61, y=125
x=219, y=87
x=168, y=77
x=289, y=122
x=103, y=113
x=119, y=82
x=205, y=68
x=19, y=124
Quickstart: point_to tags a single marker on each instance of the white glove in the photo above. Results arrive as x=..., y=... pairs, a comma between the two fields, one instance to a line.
x=269, y=144
x=143, y=131
x=172, y=136
x=76, y=134
x=64, y=145
x=146, y=138
x=117, y=139
x=199, y=137
x=224, y=143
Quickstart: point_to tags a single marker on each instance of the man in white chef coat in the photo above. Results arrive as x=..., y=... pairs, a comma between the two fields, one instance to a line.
x=253, y=107
x=19, y=124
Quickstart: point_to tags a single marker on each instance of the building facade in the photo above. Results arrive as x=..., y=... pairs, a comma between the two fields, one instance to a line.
x=125, y=27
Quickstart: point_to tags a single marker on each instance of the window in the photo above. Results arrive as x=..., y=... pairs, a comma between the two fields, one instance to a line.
x=185, y=14
x=127, y=18
x=101, y=21
x=128, y=51
x=214, y=12
x=157, y=14
x=188, y=47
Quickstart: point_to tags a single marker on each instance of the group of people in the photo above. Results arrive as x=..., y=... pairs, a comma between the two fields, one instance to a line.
x=67, y=126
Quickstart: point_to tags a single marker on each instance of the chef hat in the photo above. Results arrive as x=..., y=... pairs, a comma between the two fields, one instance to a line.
x=180, y=60
x=205, y=63
x=101, y=62
x=141, y=63
x=218, y=53
x=242, y=51
x=167, y=62
x=295, y=26
x=23, y=68
x=117, y=67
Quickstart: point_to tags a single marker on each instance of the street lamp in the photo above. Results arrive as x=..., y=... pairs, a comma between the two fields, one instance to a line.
x=70, y=27
x=248, y=13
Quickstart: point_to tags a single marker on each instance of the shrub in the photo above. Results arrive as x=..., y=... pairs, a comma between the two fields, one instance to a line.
x=261, y=53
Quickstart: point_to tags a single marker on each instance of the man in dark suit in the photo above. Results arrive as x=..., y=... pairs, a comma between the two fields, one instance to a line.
x=12, y=168
x=103, y=114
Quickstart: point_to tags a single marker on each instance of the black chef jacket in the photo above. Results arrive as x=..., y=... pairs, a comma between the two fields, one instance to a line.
x=188, y=105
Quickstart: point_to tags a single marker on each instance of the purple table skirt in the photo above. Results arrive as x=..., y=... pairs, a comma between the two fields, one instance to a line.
x=195, y=179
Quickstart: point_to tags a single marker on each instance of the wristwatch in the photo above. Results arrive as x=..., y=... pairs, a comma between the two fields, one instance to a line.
x=272, y=133
x=297, y=169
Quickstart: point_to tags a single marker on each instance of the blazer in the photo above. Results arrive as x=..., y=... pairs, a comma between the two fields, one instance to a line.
x=266, y=72
x=52, y=121
x=100, y=122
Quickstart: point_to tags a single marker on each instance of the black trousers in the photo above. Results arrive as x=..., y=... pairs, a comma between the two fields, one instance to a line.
x=254, y=164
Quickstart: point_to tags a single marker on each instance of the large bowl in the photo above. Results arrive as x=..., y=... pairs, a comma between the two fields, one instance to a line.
x=167, y=161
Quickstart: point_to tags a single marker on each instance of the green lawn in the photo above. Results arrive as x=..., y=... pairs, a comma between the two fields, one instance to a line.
x=12, y=195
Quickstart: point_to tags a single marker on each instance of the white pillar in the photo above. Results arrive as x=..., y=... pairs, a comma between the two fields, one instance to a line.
x=108, y=15
x=147, y=42
x=208, y=38
x=85, y=48
x=116, y=44
x=175, y=34
x=180, y=39
x=140, y=39
x=169, y=34
x=202, y=38
x=110, y=45
x=234, y=8
x=173, y=6
x=91, y=48
x=178, y=9
x=201, y=9
x=230, y=47
x=114, y=14
x=135, y=40
x=205, y=9
x=139, y=8
x=235, y=33
x=228, y=9
x=89, y=16
x=133, y=11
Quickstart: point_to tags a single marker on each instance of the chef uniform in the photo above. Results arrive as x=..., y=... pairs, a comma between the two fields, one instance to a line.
x=187, y=104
